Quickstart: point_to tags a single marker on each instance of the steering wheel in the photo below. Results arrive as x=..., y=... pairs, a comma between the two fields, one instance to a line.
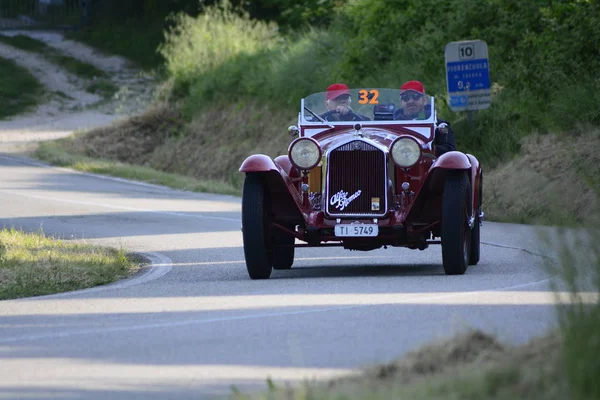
x=355, y=116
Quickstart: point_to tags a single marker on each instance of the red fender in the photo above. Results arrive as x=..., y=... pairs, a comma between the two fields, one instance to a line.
x=258, y=163
x=452, y=160
x=278, y=182
x=286, y=165
x=476, y=177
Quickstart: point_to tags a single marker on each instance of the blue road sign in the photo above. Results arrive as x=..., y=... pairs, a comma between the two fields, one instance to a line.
x=468, y=75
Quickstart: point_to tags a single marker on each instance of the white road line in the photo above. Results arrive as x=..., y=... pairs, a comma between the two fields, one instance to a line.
x=199, y=321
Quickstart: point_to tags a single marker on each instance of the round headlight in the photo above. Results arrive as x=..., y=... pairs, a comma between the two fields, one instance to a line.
x=406, y=152
x=305, y=153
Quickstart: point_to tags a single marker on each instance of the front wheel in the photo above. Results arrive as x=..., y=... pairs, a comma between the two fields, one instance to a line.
x=256, y=226
x=455, y=229
x=283, y=250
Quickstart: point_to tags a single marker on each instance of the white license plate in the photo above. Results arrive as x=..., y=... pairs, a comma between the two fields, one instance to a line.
x=356, y=230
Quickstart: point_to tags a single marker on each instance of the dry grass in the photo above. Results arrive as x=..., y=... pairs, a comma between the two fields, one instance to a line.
x=132, y=140
x=32, y=264
x=54, y=153
x=472, y=365
x=210, y=148
x=219, y=139
x=551, y=181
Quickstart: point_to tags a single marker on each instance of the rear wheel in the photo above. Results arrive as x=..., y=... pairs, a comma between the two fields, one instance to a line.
x=258, y=248
x=456, y=237
x=283, y=250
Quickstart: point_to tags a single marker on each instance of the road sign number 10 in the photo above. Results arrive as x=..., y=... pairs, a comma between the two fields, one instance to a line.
x=466, y=52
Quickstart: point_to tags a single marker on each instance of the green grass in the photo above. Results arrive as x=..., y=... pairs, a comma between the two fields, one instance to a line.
x=102, y=87
x=32, y=264
x=135, y=40
x=19, y=90
x=76, y=67
x=53, y=153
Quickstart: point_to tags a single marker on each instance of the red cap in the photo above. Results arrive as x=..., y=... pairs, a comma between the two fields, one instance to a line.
x=336, y=90
x=414, y=86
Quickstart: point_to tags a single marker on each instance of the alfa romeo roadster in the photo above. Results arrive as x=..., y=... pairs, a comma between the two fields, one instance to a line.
x=364, y=182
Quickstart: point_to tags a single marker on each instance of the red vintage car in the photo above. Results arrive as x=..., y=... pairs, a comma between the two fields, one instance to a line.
x=369, y=182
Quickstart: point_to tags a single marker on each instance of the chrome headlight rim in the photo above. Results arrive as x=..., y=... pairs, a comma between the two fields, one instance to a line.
x=306, y=140
x=409, y=163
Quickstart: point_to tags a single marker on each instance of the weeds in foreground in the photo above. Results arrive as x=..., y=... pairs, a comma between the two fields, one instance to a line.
x=579, y=268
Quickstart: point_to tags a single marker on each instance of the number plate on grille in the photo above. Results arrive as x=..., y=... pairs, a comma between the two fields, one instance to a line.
x=356, y=230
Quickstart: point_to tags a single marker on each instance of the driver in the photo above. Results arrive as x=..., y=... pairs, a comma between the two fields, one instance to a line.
x=337, y=102
x=412, y=101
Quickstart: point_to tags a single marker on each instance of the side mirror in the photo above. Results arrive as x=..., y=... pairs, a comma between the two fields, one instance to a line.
x=293, y=130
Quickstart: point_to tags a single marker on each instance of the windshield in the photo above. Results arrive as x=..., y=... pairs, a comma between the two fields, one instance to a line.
x=369, y=104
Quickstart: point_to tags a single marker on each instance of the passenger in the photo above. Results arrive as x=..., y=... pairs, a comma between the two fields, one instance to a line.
x=412, y=101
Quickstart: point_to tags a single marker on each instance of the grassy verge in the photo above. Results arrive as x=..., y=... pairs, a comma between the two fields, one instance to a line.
x=54, y=153
x=553, y=180
x=470, y=366
x=32, y=264
x=19, y=90
x=100, y=82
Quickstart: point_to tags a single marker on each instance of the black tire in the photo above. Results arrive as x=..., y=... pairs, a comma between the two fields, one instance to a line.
x=258, y=248
x=455, y=229
x=283, y=257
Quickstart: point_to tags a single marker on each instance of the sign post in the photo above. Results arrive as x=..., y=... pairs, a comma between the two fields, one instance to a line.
x=468, y=75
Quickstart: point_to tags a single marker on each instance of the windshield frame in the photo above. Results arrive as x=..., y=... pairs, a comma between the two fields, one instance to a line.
x=320, y=96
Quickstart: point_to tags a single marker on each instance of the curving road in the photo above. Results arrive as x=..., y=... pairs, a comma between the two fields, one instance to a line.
x=193, y=323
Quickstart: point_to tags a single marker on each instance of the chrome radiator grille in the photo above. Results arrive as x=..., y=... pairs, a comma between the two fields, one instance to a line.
x=356, y=180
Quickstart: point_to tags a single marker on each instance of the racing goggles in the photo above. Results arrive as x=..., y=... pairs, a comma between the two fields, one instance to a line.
x=413, y=95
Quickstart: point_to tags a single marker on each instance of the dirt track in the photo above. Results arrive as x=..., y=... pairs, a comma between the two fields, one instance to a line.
x=68, y=107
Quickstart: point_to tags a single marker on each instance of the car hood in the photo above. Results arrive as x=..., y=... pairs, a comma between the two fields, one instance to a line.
x=381, y=137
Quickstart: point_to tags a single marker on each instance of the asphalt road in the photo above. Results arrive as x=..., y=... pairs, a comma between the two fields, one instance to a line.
x=193, y=323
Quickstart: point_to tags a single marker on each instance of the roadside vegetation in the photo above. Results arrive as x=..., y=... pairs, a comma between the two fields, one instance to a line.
x=234, y=78
x=472, y=365
x=98, y=80
x=32, y=264
x=19, y=90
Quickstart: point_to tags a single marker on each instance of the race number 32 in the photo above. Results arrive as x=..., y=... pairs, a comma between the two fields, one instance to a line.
x=368, y=96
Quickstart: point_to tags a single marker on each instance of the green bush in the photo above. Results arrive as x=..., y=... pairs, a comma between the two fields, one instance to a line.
x=195, y=47
x=543, y=57
x=19, y=89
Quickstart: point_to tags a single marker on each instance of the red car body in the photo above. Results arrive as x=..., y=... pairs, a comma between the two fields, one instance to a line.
x=358, y=197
